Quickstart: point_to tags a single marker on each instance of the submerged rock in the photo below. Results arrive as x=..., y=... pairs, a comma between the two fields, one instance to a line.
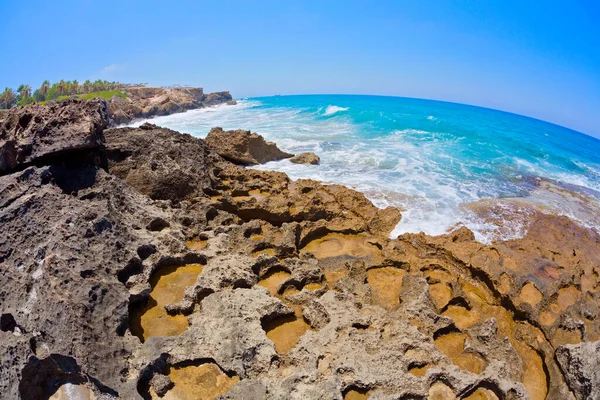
x=243, y=147
x=306, y=158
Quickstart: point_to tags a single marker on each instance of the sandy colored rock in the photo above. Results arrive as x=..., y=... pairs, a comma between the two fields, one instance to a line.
x=243, y=147
x=147, y=102
x=306, y=158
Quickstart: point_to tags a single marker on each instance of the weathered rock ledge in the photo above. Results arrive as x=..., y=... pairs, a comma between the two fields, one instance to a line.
x=147, y=102
x=147, y=266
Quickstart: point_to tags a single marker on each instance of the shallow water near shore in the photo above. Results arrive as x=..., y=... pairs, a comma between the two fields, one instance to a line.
x=442, y=164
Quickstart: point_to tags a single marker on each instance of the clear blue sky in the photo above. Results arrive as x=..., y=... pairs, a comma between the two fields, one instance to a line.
x=537, y=58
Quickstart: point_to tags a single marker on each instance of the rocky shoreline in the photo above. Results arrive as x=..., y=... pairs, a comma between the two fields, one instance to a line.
x=139, y=263
x=147, y=102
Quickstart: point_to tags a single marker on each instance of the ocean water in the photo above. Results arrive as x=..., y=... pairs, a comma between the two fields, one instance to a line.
x=440, y=163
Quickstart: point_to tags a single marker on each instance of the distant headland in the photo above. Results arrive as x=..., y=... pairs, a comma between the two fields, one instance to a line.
x=126, y=102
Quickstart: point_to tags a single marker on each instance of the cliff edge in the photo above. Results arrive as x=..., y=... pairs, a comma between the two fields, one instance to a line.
x=147, y=102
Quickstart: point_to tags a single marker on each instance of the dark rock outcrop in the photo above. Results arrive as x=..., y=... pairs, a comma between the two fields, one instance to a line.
x=306, y=158
x=212, y=99
x=244, y=147
x=34, y=132
x=181, y=167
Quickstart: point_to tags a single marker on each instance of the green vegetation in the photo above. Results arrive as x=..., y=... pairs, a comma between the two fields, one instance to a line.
x=60, y=91
x=105, y=94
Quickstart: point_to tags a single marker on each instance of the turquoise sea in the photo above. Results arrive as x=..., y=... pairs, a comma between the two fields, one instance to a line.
x=443, y=164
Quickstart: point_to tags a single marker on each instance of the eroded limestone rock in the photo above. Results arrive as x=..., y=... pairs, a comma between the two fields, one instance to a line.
x=243, y=147
x=306, y=158
x=31, y=133
x=278, y=289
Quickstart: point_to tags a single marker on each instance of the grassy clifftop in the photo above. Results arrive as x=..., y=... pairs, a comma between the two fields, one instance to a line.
x=105, y=94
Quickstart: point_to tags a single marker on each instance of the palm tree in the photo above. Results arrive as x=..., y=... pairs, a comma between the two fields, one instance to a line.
x=62, y=87
x=24, y=91
x=75, y=87
x=87, y=86
x=8, y=98
x=44, y=88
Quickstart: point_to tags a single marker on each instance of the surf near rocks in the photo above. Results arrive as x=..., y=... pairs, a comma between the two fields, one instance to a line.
x=289, y=289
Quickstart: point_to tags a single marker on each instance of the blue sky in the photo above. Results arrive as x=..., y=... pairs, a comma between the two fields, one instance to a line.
x=540, y=59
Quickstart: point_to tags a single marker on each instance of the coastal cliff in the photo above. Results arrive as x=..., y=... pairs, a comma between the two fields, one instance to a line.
x=147, y=102
x=139, y=263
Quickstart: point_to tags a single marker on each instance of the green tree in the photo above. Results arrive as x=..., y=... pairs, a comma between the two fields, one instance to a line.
x=38, y=96
x=87, y=86
x=8, y=98
x=62, y=87
x=44, y=89
x=23, y=94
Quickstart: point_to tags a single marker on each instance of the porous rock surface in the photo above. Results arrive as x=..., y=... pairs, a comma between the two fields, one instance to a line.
x=3, y=115
x=33, y=132
x=146, y=102
x=301, y=294
x=306, y=158
x=244, y=147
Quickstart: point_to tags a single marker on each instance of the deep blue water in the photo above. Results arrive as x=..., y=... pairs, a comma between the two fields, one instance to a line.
x=426, y=157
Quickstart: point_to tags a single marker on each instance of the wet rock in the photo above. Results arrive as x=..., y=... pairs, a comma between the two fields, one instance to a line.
x=243, y=147
x=216, y=98
x=306, y=158
x=31, y=133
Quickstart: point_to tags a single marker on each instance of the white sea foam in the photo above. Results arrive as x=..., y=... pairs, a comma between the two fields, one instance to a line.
x=422, y=173
x=410, y=132
x=330, y=110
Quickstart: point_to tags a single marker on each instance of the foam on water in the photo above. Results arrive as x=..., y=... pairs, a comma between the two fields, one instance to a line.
x=330, y=110
x=428, y=158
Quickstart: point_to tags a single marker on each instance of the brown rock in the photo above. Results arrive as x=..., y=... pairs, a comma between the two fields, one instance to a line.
x=34, y=132
x=180, y=167
x=306, y=158
x=212, y=99
x=147, y=102
x=243, y=147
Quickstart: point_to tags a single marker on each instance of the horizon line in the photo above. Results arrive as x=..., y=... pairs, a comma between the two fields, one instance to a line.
x=426, y=99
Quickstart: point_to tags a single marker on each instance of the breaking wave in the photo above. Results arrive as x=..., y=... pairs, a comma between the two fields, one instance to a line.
x=442, y=172
x=330, y=110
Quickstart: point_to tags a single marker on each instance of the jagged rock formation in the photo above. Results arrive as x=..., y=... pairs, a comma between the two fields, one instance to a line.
x=3, y=115
x=31, y=133
x=146, y=102
x=165, y=271
x=244, y=147
x=306, y=158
